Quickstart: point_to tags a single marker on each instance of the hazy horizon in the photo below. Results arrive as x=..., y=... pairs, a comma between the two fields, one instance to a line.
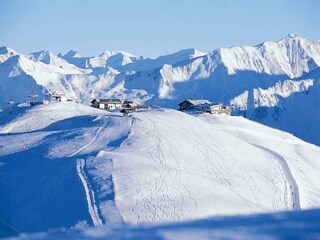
x=151, y=29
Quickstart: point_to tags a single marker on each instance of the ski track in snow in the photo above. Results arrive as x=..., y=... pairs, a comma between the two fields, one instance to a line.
x=93, y=207
x=164, y=207
x=91, y=142
x=292, y=197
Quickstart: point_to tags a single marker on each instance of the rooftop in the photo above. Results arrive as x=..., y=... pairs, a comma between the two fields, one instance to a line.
x=197, y=101
x=110, y=100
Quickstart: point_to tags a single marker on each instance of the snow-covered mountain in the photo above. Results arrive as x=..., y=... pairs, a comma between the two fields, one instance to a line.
x=81, y=166
x=114, y=59
x=260, y=82
x=6, y=53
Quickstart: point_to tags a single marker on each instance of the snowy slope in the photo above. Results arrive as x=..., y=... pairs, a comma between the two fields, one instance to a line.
x=290, y=106
x=284, y=225
x=82, y=166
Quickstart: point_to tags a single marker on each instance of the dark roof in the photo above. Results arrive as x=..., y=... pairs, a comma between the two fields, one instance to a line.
x=196, y=102
x=55, y=94
x=94, y=100
x=110, y=100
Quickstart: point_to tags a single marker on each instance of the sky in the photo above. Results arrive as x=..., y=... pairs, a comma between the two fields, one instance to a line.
x=151, y=27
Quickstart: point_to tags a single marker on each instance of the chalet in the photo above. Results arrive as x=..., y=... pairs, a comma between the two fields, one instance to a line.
x=109, y=104
x=95, y=103
x=129, y=105
x=57, y=96
x=192, y=104
x=204, y=106
x=220, y=108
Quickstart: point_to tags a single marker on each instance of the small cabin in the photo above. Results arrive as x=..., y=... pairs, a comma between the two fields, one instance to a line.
x=204, y=106
x=220, y=108
x=129, y=105
x=109, y=104
x=57, y=96
x=192, y=104
x=95, y=103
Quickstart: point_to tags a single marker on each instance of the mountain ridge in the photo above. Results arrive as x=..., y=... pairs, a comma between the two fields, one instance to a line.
x=224, y=75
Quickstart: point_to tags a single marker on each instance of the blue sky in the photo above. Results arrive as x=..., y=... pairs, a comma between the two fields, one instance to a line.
x=151, y=27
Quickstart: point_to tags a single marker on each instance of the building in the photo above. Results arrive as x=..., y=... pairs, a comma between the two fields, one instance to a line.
x=36, y=103
x=95, y=103
x=192, y=104
x=129, y=105
x=204, y=106
x=220, y=108
x=109, y=104
x=57, y=96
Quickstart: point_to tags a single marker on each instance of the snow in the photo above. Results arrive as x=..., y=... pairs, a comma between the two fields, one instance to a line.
x=167, y=79
x=66, y=165
x=272, y=75
x=281, y=57
x=5, y=53
x=289, y=106
x=284, y=225
x=92, y=205
x=198, y=101
x=74, y=165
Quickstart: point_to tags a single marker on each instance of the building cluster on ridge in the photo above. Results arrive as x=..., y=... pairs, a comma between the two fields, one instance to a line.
x=196, y=106
x=189, y=105
x=114, y=103
x=111, y=104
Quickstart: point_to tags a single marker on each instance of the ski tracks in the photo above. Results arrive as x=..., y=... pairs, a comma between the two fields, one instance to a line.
x=90, y=195
x=159, y=202
x=91, y=142
x=292, y=197
x=93, y=207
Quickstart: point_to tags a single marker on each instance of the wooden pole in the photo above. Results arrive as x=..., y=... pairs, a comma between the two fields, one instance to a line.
x=10, y=102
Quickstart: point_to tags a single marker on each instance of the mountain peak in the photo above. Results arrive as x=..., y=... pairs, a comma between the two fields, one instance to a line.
x=5, y=50
x=73, y=54
x=5, y=53
x=190, y=53
x=47, y=57
x=42, y=54
x=112, y=53
x=292, y=35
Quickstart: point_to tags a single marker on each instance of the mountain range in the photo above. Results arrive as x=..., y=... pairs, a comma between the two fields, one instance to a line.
x=275, y=83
